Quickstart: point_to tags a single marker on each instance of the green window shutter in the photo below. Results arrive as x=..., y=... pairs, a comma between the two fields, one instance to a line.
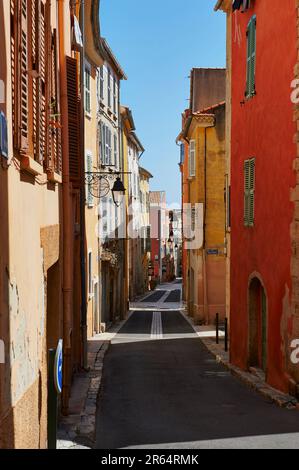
x=251, y=54
x=251, y=191
x=246, y=192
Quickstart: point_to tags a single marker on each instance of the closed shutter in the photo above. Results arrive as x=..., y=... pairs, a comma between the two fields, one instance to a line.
x=249, y=189
x=115, y=151
x=251, y=54
x=246, y=192
x=192, y=153
x=74, y=120
x=107, y=146
x=89, y=196
x=23, y=81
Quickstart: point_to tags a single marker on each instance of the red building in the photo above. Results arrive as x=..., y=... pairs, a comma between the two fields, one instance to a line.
x=264, y=269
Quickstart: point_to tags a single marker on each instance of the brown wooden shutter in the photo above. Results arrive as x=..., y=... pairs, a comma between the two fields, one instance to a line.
x=23, y=81
x=13, y=51
x=74, y=120
x=54, y=162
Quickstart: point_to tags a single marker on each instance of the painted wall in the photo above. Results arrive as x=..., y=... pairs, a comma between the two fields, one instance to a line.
x=92, y=211
x=29, y=211
x=263, y=127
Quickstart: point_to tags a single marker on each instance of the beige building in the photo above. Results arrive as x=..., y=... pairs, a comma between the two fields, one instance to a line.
x=31, y=253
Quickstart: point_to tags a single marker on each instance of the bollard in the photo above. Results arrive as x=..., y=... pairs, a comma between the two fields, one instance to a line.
x=226, y=335
x=52, y=402
x=217, y=328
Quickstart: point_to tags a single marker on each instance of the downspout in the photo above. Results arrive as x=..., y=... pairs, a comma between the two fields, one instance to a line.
x=67, y=218
x=204, y=264
x=82, y=199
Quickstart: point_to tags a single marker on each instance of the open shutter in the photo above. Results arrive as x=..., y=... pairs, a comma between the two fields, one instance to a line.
x=251, y=191
x=55, y=118
x=23, y=79
x=251, y=54
x=89, y=196
x=192, y=158
x=246, y=192
x=74, y=120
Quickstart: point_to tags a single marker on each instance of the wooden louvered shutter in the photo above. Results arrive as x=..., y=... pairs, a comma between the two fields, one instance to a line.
x=251, y=54
x=246, y=192
x=251, y=191
x=14, y=68
x=74, y=120
x=42, y=83
x=89, y=167
x=55, y=162
x=23, y=79
x=192, y=152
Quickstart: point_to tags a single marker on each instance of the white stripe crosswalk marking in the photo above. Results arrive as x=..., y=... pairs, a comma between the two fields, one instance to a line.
x=156, y=330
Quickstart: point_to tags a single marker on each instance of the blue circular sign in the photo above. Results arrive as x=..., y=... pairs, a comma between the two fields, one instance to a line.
x=58, y=366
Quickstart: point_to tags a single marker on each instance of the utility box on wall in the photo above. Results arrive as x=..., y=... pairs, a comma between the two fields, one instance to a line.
x=3, y=136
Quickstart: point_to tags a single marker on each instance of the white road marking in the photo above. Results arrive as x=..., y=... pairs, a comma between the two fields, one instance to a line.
x=156, y=331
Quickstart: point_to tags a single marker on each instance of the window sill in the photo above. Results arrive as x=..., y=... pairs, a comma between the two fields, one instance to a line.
x=88, y=115
x=31, y=166
x=54, y=177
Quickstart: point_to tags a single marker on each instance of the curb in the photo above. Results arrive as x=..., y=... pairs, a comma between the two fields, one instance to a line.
x=283, y=400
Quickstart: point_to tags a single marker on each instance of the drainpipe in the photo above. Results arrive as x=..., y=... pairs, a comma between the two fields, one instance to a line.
x=67, y=218
x=204, y=264
x=82, y=198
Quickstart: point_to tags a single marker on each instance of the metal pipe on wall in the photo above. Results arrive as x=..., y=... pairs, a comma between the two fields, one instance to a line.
x=67, y=215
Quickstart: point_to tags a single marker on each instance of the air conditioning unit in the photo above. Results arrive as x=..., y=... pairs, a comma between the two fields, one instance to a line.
x=3, y=136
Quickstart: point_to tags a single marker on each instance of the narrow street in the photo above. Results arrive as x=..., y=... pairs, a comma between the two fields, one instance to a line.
x=162, y=389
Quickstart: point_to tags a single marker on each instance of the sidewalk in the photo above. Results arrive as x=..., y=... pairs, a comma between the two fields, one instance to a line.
x=253, y=379
x=77, y=430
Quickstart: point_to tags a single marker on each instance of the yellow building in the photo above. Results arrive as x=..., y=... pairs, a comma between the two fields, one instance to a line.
x=204, y=224
x=145, y=177
x=94, y=58
x=132, y=151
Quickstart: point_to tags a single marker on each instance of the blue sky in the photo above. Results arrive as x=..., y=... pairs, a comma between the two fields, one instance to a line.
x=157, y=43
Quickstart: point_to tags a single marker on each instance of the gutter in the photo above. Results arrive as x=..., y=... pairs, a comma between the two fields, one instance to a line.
x=82, y=199
x=67, y=215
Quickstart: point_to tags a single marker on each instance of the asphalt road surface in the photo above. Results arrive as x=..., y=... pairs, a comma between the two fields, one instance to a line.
x=163, y=389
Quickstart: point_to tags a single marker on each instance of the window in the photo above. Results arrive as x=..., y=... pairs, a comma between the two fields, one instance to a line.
x=114, y=95
x=249, y=189
x=182, y=152
x=192, y=153
x=105, y=145
x=102, y=83
x=109, y=88
x=89, y=196
x=251, y=54
x=90, y=274
x=115, y=162
x=87, y=90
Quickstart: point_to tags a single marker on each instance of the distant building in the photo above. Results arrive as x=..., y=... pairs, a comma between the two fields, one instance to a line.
x=203, y=180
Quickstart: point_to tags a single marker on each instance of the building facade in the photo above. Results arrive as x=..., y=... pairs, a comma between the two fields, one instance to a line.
x=203, y=191
x=263, y=286
x=36, y=283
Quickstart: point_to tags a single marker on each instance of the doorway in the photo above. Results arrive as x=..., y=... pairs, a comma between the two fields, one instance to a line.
x=257, y=325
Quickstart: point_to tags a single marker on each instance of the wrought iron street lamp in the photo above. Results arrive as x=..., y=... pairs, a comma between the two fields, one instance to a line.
x=99, y=184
